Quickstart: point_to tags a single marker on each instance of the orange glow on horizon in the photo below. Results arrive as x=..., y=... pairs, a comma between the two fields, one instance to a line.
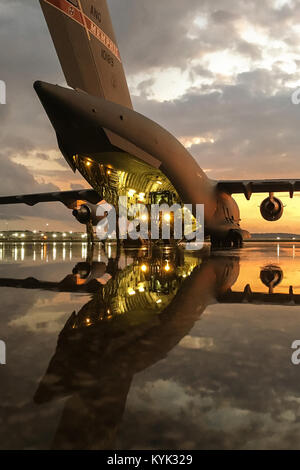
x=285, y=255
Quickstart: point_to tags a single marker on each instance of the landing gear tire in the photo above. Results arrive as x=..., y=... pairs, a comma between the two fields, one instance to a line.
x=234, y=240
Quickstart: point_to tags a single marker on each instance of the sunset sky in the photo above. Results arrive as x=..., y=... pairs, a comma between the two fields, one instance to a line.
x=218, y=74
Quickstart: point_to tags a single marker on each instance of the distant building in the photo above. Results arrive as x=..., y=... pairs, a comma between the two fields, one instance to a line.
x=39, y=236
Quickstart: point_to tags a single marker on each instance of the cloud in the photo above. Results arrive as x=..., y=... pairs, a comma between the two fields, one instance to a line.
x=254, y=131
x=16, y=179
x=240, y=394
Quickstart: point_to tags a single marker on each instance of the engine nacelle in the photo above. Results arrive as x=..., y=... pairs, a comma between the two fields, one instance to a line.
x=87, y=213
x=271, y=209
x=271, y=275
x=90, y=271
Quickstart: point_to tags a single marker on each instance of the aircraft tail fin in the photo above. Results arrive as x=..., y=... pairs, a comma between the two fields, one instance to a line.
x=85, y=43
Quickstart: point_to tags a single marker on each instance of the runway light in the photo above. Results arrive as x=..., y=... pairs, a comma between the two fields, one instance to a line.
x=144, y=268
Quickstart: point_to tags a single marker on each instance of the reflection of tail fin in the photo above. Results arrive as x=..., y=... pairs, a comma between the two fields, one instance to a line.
x=85, y=43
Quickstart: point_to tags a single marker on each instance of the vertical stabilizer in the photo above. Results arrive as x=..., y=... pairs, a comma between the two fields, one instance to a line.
x=85, y=43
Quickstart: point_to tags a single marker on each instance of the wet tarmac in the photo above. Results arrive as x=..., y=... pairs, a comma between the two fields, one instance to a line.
x=140, y=349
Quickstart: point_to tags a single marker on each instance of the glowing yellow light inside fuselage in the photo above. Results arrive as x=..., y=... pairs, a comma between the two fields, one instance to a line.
x=167, y=267
x=131, y=192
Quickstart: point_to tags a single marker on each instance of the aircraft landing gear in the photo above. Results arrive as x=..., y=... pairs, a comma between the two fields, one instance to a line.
x=90, y=232
x=233, y=240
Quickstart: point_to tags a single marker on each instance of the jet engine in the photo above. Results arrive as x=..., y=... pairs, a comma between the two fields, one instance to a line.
x=271, y=208
x=86, y=214
x=271, y=275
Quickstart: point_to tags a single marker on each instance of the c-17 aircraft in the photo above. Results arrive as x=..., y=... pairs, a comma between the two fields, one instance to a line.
x=117, y=150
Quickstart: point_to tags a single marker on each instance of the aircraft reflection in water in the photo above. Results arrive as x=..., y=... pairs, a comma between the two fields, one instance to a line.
x=134, y=318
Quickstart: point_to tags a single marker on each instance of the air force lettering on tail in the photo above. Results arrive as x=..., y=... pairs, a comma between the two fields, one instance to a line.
x=120, y=152
x=107, y=57
x=96, y=14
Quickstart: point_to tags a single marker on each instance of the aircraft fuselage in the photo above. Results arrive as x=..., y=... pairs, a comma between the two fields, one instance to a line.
x=122, y=153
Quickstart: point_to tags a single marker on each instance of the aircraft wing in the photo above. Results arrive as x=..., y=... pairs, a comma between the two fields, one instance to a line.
x=68, y=198
x=248, y=187
x=66, y=285
x=259, y=298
